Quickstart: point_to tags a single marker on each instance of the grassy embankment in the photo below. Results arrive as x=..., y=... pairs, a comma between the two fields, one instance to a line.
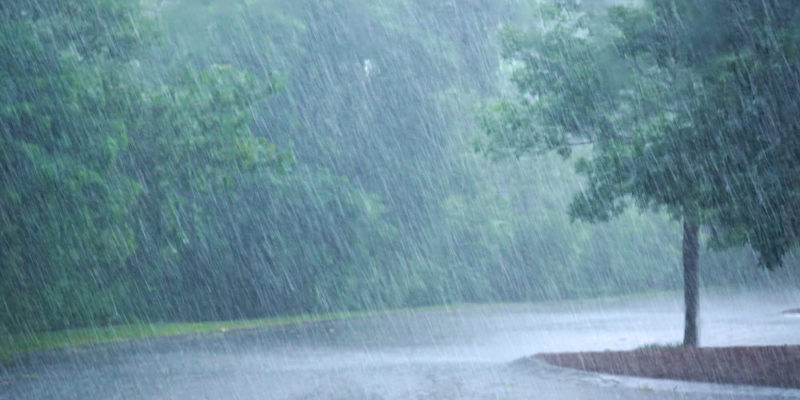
x=20, y=343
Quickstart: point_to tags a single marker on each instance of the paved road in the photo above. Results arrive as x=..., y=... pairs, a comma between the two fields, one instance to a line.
x=466, y=352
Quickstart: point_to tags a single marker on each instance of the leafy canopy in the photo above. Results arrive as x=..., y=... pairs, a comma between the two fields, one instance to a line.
x=686, y=105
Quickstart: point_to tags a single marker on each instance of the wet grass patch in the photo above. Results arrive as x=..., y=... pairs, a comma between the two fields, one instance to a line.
x=11, y=345
x=657, y=346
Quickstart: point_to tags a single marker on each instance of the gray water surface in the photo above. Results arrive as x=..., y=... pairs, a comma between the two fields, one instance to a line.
x=464, y=352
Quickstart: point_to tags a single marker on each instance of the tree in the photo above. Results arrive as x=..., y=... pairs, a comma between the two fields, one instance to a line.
x=64, y=197
x=745, y=63
x=660, y=98
x=103, y=155
x=732, y=67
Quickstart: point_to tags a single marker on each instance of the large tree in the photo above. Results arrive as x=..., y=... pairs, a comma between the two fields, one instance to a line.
x=682, y=105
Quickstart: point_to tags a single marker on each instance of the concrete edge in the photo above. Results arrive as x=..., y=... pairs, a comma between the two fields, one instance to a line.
x=651, y=384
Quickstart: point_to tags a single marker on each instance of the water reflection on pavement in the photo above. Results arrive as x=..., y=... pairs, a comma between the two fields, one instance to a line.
x=464, y=352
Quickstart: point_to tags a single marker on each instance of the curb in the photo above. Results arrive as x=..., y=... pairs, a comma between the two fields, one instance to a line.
x=651, y=384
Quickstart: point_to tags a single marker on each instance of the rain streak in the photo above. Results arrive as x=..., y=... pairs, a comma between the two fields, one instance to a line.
x=399, y=199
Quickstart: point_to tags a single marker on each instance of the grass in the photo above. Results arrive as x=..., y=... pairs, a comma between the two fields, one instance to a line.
x=21, y=343
x=660, y=346
x=11, y=345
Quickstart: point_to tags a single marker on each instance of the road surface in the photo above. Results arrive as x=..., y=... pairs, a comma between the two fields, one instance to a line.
x=465, y=352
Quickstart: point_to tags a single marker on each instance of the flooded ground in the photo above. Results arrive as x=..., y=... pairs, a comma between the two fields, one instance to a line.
x=465, y=352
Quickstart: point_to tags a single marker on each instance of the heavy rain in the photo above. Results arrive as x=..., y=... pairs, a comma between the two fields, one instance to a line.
x=399, y=199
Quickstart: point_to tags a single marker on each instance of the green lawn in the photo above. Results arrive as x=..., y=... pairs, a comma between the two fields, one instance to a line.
x=19, y=343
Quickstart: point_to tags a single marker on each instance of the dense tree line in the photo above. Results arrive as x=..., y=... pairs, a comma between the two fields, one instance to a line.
x=210, y=159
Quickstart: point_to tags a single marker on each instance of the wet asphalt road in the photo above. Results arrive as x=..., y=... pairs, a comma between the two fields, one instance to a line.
x=465, y=352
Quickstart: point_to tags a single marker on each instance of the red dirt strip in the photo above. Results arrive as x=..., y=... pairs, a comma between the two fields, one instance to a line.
x=777, y=366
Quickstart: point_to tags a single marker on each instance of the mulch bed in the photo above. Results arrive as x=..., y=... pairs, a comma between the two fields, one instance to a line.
x=777, y=366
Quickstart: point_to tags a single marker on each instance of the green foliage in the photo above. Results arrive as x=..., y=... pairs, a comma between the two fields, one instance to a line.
x=683, y=104
x=63, y=124
x=80, y=120
x=733, y=126
x=210, y=159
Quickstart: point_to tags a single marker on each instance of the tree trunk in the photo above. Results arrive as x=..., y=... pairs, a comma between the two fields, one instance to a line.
x=691, y=279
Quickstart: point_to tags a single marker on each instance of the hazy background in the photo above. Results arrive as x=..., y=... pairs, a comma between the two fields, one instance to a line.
x=373, y=197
